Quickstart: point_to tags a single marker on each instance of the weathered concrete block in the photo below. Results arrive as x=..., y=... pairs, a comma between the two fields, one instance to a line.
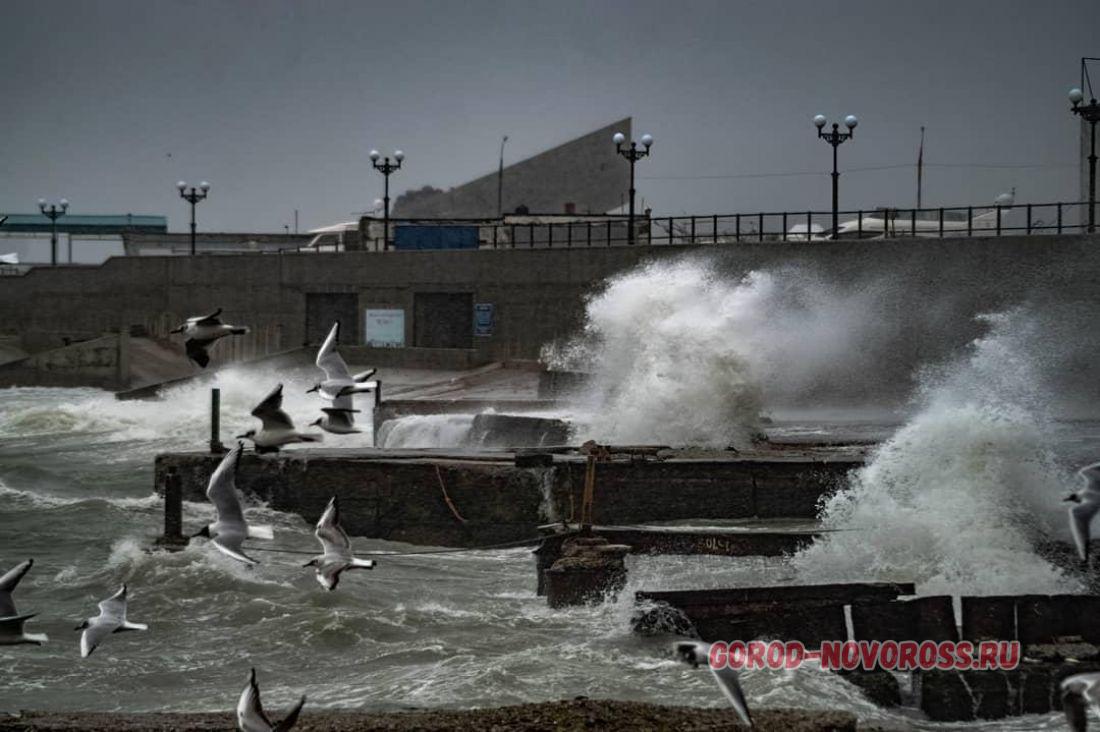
x=880, y=621
x=507, y=430
x=990, y=617
x=809, y=622
x=949, y=696
x=1043, y=619
x=588, y=571
x=935, y=618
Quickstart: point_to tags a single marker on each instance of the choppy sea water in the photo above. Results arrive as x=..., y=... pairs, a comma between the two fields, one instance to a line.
x=459, y=630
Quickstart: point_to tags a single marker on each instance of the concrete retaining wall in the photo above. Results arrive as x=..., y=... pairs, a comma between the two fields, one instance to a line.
x=102, y=362
x=934, y=288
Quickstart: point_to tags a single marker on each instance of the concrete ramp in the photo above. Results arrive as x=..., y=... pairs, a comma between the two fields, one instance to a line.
x=293, y=357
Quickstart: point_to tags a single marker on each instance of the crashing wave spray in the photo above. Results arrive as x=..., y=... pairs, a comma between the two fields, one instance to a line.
x=683, y=353
x=956, y=498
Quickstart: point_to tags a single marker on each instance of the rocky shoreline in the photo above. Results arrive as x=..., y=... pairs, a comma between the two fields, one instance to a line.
x=580, y=714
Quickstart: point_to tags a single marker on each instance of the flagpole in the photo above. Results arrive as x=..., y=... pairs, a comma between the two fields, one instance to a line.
x=920, y=167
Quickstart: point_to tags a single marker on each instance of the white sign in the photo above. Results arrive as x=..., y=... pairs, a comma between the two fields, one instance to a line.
x=385, y=328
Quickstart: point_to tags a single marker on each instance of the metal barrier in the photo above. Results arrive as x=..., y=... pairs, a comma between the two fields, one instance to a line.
x=560, y=231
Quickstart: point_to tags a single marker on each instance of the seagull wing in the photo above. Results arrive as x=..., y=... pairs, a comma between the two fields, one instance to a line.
x=93, y=635
x=270, y=411
x=230, y=543
x=329, y=359
x=113, y=609
x=1080, y=516
x=12, y=627
x=250, y=712
x=196, y=351
x=731, y=687
x=7, y=586
x=211, y=319
x=291, y=719
x=332, y=536
x=222, y=489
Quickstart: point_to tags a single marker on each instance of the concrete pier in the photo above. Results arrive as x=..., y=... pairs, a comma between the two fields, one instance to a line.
x=408, y=495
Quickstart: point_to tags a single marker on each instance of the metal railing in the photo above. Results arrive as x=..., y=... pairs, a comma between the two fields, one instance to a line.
x=781, y=226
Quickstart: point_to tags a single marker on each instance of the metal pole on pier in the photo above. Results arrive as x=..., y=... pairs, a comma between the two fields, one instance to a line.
x=216, y=445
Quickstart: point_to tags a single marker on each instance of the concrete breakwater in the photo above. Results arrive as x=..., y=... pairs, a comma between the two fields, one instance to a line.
x=472, y=498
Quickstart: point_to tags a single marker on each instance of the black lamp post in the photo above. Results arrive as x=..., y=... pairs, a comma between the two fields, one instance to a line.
x=835, y=137
x=633, y=154
x=53, y=213
x=385, y=168
x=1090, y=113
x=193, y=195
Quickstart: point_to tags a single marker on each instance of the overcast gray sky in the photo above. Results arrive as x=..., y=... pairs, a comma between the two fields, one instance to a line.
x=277, y=103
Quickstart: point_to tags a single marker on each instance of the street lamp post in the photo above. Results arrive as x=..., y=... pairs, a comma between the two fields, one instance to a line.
x=385, y=168
x=633, y=154
x=193, y=195
x=835, y=137
x=500, y=179
x=1090, y=113
x=53, y=212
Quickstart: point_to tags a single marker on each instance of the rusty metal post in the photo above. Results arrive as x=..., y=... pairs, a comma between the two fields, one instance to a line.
x=589, y=492
x=216, y=445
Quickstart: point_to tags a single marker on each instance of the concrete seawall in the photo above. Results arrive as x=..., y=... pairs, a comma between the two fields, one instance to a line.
x=478, y=498
x=932, y=290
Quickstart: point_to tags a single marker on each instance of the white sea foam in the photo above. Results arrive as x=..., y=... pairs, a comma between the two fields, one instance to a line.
x=955, y=499
x=426, y=430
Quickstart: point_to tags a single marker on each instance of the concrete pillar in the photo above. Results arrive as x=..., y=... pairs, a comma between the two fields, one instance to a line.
x=589, y=570
x=173, y=513
x=122, y=364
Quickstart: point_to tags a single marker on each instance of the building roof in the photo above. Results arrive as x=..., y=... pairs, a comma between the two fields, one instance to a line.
x=86, y=223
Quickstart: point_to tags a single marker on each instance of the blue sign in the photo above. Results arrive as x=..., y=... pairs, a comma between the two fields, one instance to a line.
x=408, y=236
x=483, y=319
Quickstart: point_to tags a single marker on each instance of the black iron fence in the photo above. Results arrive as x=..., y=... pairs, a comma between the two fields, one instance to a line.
x=784, y=226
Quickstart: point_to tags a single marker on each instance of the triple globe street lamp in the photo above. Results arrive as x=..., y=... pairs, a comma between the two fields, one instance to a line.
x=385, y=167
x=633, y=154
x=193, y=195
x=53, y=212
x=1090, y=113
x=835, y=138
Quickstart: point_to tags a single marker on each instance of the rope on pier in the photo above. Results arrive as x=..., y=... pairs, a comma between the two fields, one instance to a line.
x=447, y=498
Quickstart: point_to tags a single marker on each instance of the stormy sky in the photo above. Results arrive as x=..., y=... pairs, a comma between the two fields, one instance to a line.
x=277, y=103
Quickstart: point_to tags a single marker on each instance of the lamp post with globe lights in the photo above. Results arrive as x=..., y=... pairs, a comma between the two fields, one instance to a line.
x=53, y=212
x=1090, y=113
x=633, y=154
x=386, y=168
x=835, y=138
x=193, y=195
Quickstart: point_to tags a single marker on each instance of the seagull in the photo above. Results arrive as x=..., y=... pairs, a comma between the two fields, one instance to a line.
x=278, y=427
x=338, y=380
x=111, y=619
x=201, y=331
x=336, y=545
x=1086, y=502
x=696, y=654
x=1079, y=691
x=250, y=713
x=338, y=418
x=230, y=529
x=11, y=622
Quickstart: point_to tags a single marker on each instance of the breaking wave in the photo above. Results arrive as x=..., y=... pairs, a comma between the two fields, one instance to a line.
x=957, y=498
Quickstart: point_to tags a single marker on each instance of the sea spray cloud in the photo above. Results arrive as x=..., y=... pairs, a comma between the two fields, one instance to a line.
x=669, y=367
x=955, y=499
x=683, y=353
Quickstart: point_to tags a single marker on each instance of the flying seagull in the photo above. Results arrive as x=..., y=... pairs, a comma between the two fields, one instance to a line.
x=278, y=428
x=1078, y=692
x=339, y=419
x=111, y=619
x=201, y=331
x=250, y=713
x=338, y=380
x=229, y=531
x=11, y=622
x=1086, y=502
x=336, y=545
x=697, y=654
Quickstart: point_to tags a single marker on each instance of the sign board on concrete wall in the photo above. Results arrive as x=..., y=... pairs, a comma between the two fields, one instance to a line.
x=483, y=319
x=385, y=328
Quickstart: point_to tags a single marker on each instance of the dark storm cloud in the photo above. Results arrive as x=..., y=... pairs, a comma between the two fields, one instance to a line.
x=277, y=103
